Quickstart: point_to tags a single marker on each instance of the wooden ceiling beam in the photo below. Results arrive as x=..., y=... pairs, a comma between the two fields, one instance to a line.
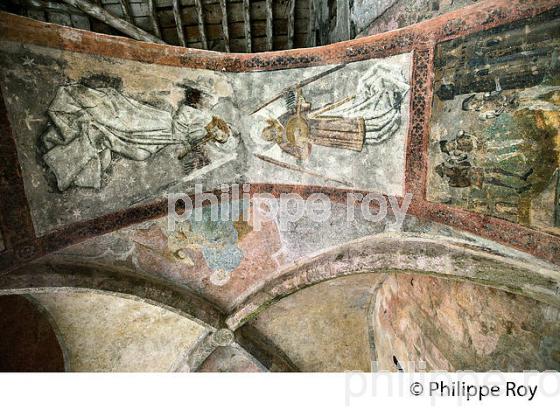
x=247, y=21
x=119, y=24
x=45, y=5
x=201, y=30
x=125, y=7
x=312, y=25
x=269, y=18
x=291, y=23
x=179, y=23
x=225, y=27
x=153, y=17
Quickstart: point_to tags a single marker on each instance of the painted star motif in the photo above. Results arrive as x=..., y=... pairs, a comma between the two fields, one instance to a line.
x=28, y=61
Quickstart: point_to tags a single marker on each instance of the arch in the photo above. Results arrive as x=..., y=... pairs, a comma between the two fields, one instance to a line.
x=42, y=278
x=36, y=278
x=400, y=253
x=55, y=328
x=31, y=341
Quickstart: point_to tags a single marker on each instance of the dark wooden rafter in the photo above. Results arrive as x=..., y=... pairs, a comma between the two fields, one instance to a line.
x=100, y=4
x=32, y=6
x=225, y=27
x=291, y=23
x=54, y=14
x=247, y=25
x=206, y=24
x=351, y=33
x=50, y=5
x=201, y=29
x=312, y=25
x=153, y=17
x=179, y=23
x=125, y=7
x=269, y=17
x=343, y=20
x=117, y=23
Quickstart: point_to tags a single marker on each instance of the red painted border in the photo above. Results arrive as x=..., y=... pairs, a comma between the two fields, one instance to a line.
x=19, y=236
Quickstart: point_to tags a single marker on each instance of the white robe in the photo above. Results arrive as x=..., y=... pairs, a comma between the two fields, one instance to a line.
x=379, y=96
x=88, y=124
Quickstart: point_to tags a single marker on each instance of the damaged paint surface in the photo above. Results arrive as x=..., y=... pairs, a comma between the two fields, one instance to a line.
x=104, y=134
x=495, y=127
x=469, y=281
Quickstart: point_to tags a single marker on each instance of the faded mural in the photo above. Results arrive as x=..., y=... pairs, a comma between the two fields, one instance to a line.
x=97, y=134
x=342, y=125
x=87, y=126
x=495, y=131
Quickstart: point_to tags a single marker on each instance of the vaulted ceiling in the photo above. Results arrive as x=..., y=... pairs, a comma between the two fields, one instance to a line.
x=108, y=285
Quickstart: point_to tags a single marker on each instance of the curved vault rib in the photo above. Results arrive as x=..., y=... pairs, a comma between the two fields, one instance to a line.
x=36, y=278
x=391, y=253
x=106, y=332
x=39, y=278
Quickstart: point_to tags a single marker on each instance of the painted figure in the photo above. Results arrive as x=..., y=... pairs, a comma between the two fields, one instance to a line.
x=378, y=99
x=512, y=162
x=89, y=125
x=372, y=115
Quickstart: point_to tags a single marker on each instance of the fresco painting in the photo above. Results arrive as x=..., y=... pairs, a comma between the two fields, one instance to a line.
x=386, y=203
x=87, y=125
x=495, y=129
x=103, y=134
x=352, y=135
